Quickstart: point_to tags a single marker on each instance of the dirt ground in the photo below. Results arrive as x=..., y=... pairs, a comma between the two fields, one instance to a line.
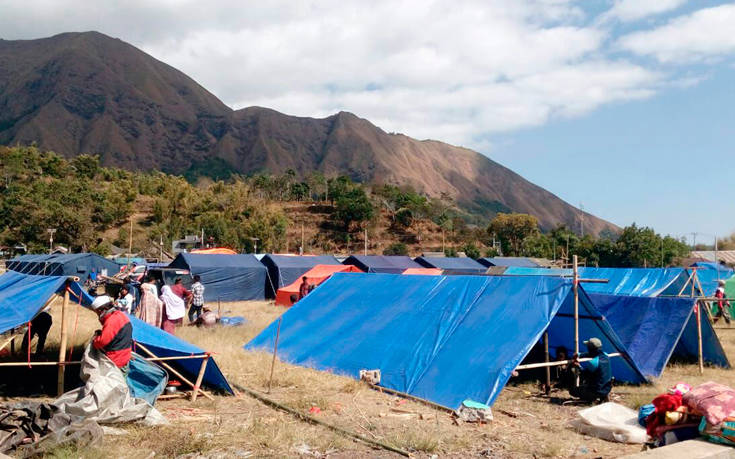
x=525, y=423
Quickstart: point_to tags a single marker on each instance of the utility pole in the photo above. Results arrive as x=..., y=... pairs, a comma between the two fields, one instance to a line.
x=302, y=239
x=366, y=241
x=160, y=244
x=694, y=240
x=255, y=244
x=51, y=232
x=581, y=220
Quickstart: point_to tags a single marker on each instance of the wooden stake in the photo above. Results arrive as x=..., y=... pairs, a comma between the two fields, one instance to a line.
x=699, y=338
x=547, y=388
x=62, y=343
x=200, y=376
x=275, y=351
x=169, y=368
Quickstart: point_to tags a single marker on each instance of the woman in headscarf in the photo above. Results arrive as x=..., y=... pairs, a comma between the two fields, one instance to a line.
x=150, y=307
x=174, y=309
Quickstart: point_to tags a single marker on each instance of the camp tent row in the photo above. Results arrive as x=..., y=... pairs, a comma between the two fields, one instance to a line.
x=74, y=264
x=23, y=296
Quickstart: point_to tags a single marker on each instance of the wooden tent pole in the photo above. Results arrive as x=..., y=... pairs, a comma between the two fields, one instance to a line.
x=200, y=376
x=62, y=343
x=547, y=389
x=689, y=279
x=169, y=368
x=699, y=338
x=275, y=351
x=556, y=363
x=576, y=306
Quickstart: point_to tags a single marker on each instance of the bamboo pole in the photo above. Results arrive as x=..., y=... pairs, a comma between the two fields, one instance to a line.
x=689, y=279
x=410, y=397
x=530, y=366
x=169, y=368
x=576, y=306
x=275, y=351
x=79, y=362
x=200, y=376
x=547, y=388
x=699, y=339
x=62, y=345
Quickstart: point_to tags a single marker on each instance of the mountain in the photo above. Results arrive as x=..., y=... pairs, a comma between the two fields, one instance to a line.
x=80, y=93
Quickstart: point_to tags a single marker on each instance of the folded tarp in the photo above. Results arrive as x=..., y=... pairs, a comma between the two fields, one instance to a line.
x=72, y=264
x=386, y=264
x=621, y=281
x=508, y=261
x=458, y=265
x=441, y=338
x=314, y=276
x=226, y=277
x=285, y=269
x=423, y=271
x=164, y=344
x=655, y=329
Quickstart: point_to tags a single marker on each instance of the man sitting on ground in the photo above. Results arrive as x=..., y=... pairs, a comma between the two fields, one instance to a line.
x=116, y=337
x=596, y=374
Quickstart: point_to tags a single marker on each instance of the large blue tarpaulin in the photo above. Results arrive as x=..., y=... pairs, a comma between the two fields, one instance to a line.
x=73, y=264
x=457, y=265
x=386, y=264
x=621, y=281
x=283, y=270
x=709, y=277
x=655, y=329
x=440, y=338
x=508, y=261
x=226, y=277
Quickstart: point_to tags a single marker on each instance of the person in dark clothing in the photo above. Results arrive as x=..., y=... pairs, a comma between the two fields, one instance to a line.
x=40, y=325
x=596, y=375
x=563, y=374
x=303, y=288
x=116, y=337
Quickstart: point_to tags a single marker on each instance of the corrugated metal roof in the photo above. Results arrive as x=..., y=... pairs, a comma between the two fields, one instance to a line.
x=728, y=256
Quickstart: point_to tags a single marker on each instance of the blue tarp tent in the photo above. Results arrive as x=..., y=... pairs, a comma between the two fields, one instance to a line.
x=73, y=264
x=441, y=338
x=508, y=261
x=655, y=329
x=621, y=281
x=386, y=264
x=709, y=276
x=456, y=265
x=226, y=277
x=283, y=270
x=22, y=296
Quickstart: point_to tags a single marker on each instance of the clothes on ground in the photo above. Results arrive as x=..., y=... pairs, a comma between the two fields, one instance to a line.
x=151, y=307
x=116, y=337
x=40, y=325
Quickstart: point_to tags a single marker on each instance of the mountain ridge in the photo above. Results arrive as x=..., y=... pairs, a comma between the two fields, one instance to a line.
x=86, y=92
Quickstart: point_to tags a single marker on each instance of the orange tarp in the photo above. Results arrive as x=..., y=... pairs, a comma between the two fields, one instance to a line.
x=215, y=250
x=424, y=271
x=314, y=276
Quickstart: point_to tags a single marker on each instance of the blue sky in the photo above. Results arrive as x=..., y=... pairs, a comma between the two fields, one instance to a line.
x=625, y=106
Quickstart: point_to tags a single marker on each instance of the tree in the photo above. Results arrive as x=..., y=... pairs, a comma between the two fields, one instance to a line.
x=639, y=246
x=397, y=248
x=86, y=166
x=471, y=250
x=512, y=229
x=353, y=206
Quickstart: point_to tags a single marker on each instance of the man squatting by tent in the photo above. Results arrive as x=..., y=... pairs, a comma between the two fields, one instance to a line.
x=596, y=374
x=116, y=337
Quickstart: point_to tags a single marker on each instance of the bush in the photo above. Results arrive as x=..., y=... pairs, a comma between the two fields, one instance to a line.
x=397, y=248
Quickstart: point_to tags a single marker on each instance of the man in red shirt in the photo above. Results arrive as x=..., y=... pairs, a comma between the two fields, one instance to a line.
x=116, y=337
x=181, y=291
x=723, y=304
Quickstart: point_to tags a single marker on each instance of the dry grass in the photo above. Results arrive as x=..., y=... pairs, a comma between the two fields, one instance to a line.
x=525, y=425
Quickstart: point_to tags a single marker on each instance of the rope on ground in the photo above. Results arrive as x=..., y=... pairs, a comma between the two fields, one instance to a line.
x=312, y=420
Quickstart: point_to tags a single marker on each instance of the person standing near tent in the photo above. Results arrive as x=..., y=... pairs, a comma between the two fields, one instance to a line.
x=40, y=325
x=303, y=288
x=197, y=299
x=174, y=309
x=124, y=301
x=180, y=291
x=723, y=305
x=116, y=337
x=596, y=374
x=151, y=307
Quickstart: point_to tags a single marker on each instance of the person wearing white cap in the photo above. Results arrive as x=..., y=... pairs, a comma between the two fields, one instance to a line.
x=723, y=305
x=596, y=374
x=116, y=337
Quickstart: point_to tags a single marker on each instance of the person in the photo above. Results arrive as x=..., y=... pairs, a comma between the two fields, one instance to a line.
x=181, y=291
x=115, y=338
x=723, y=304
x=151, y=307
x=563, y=374
x=124, y=301
x=303, y=288
x=596, y=374
x=135, y=293
x=208, y=318
x=197, y=299
x=174, y=309
x=40, y=325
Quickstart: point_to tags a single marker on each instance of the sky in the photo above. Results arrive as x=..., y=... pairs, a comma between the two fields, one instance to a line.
x=624, y=107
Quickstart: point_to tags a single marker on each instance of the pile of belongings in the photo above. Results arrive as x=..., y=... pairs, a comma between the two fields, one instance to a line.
x=683, y=413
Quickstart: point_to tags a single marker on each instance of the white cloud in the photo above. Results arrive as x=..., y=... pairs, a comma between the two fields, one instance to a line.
x=633, y=10
x=704, y=34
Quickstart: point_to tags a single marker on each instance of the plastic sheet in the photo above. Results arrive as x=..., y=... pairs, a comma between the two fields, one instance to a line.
x=611, y=422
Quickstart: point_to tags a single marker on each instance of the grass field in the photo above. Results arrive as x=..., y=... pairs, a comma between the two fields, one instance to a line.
x=525, y=425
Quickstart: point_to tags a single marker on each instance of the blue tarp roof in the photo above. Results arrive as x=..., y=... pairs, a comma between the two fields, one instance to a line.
x=456, y=264
x=440, y=338
x=226, y=277
x=283, y=270
x=621, y=281
x=654, y=329
x=709, y=278
x=387, y=264
x=22, y=296
x=508, y=261
x=73, y=264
